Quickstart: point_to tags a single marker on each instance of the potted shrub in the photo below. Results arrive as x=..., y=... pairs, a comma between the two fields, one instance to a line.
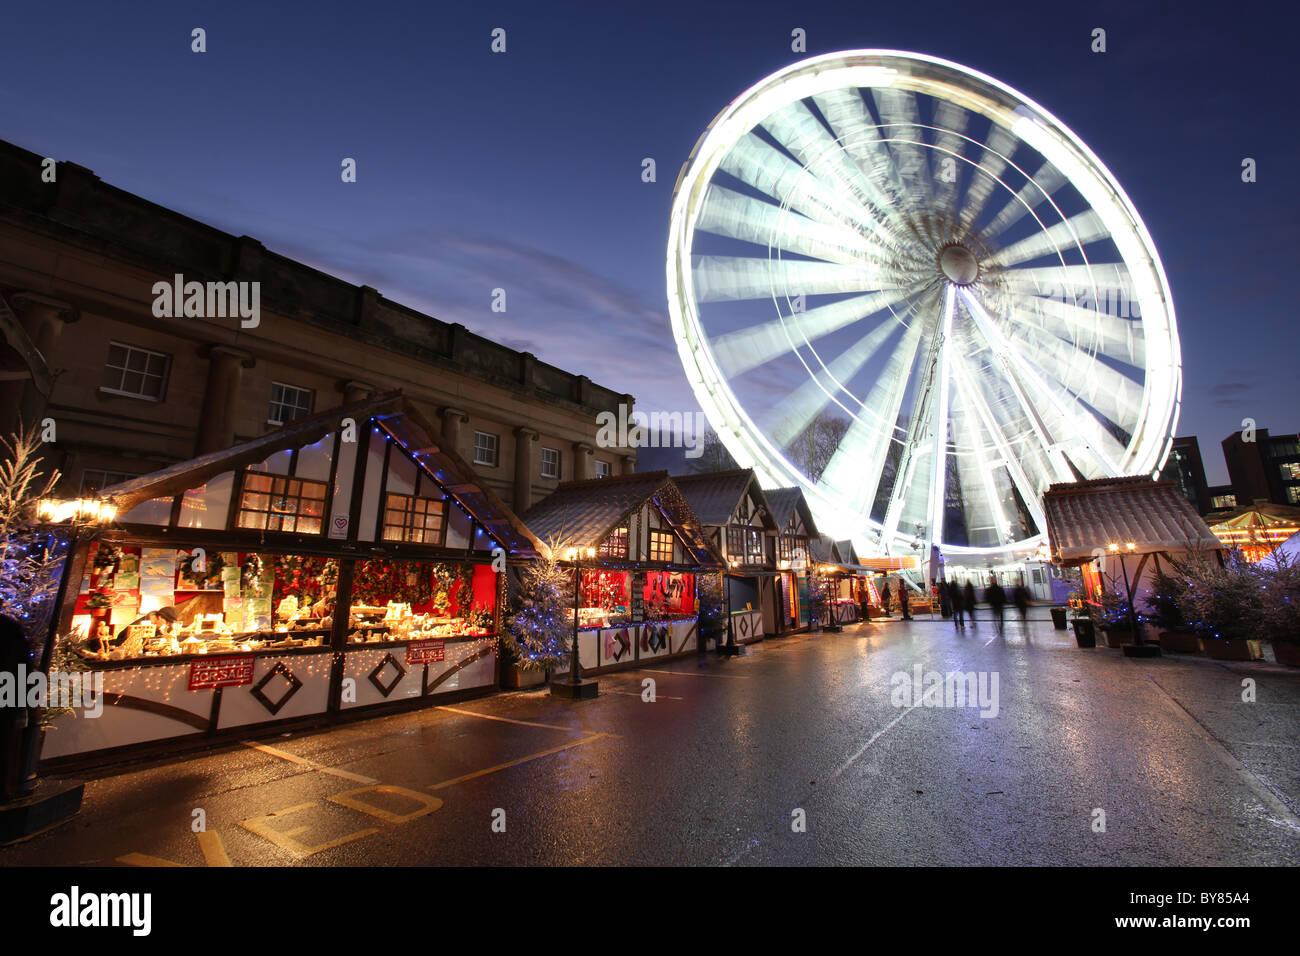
x=1225, y=603
x=1112, y=615
x=1280, y=583
x=1176, y=634
x=1085, y=634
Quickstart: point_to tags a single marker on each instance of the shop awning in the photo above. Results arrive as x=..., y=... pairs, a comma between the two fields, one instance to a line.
x=1084, y=517
x=392, y=412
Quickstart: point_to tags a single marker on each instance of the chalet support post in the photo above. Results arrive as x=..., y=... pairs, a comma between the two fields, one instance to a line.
x=220, y=398
x=525, y=438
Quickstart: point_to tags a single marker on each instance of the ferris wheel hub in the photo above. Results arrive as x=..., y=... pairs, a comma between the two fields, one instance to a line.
x=958, y=264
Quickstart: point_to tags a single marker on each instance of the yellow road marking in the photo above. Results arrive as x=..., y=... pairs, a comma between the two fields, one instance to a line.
x=214, y=851
x=515, y=763
x=140, y=859
x=284, y=839
x=521, y=723
x=689, y=674
x=628, y=693
x=303, y=761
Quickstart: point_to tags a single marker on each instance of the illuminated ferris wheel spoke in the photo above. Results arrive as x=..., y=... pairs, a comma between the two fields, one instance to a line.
x=993, y=163
x=856, y=466
x=949, y=353
x=1114, y=337
x=1014, y=463
x=745, y=349
x=951, y=121
x=900, y=118
x=812, y=396
x=735, y=278
x=728, y=213
x=1044, y=183
x=1078, y=230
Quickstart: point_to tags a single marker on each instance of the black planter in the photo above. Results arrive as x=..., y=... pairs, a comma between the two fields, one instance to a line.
x=1084, y=633
x=1058, y=618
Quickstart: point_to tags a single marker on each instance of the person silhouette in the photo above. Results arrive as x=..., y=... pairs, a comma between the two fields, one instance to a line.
x=997, y=600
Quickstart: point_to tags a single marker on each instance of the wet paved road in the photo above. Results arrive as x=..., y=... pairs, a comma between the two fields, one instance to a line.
x=715, y=769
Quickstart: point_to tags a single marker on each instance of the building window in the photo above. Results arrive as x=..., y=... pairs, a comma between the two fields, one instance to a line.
x=277, y=503
x=414, y=520
x=550, y=463
x=790, y=548
x=744, y=545
x=1290, y=470
x=1293, y=494
x=602, y=469
x=134, y=371
x=94, y=480
x=615, y=546
x=1223, y=501
x=485, y=449
x=661, y=546
x=288, y=403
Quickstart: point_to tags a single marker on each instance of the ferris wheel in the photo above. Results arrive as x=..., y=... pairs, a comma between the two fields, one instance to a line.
x=910, y=290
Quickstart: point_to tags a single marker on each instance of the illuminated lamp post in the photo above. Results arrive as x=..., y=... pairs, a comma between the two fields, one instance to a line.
x=575, y=688
x=1139, y=647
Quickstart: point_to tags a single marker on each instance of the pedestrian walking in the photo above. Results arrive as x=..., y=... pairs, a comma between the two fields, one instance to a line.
x=957, y=602
x=1020, y=597
x=884, y=598
x=997, y=600
x=968, y=602
x=903, y=598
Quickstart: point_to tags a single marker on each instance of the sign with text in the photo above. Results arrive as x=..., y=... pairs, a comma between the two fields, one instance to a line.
x=425, y=652
x=224, y=672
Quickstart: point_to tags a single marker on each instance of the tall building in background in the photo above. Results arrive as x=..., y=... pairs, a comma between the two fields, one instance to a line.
x=1266, y=469
x=1186, y=470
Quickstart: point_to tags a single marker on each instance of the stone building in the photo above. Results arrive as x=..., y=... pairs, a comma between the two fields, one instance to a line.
x=130, y=391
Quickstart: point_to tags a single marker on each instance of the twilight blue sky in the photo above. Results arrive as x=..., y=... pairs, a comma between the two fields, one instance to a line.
x=522, y=170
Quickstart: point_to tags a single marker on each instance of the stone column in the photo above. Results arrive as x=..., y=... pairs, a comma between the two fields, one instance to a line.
x=221, y=398
x=524, y=439
x=43, y=320
x=582, y=452
x=452, y=419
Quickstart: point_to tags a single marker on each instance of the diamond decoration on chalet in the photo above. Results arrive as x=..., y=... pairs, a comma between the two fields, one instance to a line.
x=282, y=671
x=388, y=661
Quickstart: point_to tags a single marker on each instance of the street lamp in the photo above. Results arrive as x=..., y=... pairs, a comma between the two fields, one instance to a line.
x=731, y=648
x=575, y=688
x=1139, y=647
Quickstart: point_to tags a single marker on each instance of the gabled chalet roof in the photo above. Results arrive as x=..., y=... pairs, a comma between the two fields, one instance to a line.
x=823, y=549
x=583, y=513
x=848, y=554
x=1084, y=516
x=714, y=496
x=784, y=501
x=392, y=412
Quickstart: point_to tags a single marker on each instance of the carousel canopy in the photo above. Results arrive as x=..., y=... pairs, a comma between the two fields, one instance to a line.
x=584, y=513
x=1085, y=516
x=392, y=412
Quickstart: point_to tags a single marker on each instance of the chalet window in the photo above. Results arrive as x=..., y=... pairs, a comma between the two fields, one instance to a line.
x=277, y=503
x=288, y=403
x=485, y=449
x=661, y=546
x=414, y=520
x=130, y=370
x=790, y=548
x=94, y=480
x=550, y=463
x=615, y=546
x=602, y=469
x=744, y=545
